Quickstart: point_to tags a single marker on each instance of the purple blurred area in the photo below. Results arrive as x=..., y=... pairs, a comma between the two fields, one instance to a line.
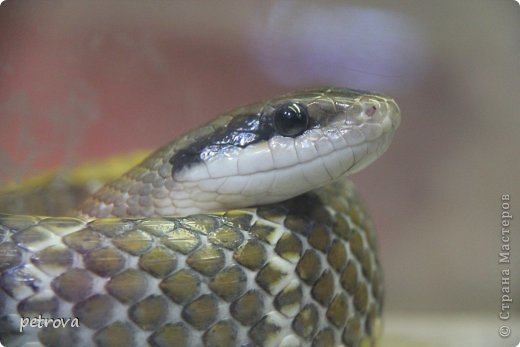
x=88, y=79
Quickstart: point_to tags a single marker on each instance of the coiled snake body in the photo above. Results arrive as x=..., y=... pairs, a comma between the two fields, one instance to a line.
x=151, y=261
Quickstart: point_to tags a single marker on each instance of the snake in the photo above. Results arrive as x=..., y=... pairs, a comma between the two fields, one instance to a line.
x=242, y=232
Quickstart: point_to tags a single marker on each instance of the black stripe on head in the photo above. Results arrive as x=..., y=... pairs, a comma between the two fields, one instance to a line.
x=288, y=119
x=241, y=131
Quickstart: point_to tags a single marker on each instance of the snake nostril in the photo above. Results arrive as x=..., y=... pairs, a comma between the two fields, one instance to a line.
x=370, y=111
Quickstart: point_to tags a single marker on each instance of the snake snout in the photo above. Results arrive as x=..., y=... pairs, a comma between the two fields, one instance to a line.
x=381, y=110
x=394, y=113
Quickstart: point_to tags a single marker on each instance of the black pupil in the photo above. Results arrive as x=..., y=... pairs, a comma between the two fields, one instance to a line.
x=291, y=119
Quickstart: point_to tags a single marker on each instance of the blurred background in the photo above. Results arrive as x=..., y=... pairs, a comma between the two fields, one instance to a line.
x=81, y=80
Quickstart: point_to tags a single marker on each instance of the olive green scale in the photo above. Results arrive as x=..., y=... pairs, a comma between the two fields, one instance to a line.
x=303, y=272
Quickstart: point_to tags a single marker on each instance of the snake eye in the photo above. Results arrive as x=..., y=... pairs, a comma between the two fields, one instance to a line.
x=291, y=119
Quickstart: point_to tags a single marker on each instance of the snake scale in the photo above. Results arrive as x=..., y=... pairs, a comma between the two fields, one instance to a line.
x=242, y=232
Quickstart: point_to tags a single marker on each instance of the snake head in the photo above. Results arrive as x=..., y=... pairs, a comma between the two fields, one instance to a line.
x=277, y=149
x=257, y=154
